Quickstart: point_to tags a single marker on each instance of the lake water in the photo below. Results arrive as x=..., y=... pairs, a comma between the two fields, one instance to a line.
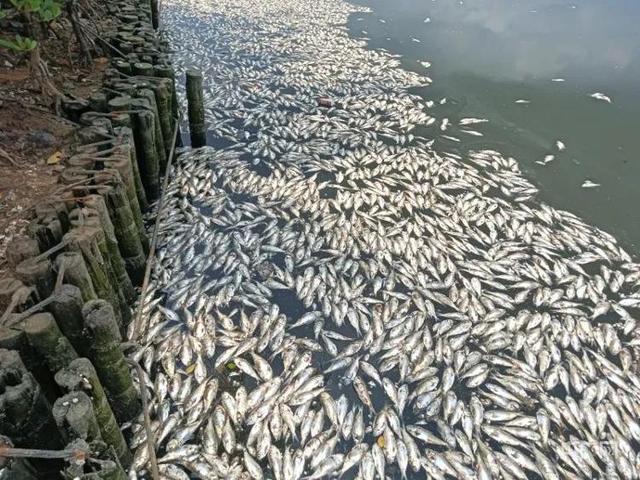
x=486, y=54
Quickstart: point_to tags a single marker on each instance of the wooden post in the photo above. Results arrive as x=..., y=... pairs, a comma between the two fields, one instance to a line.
x=87, y=218
x=39, y=273
x=47, y=230
x=147, y=94
x=162, y=90
x=67, y=310
x=73, y=413
x=85, y=240
x=55, y=207
x=128, y=139
x=155, y=14
x=143, y=69
x=143, y=122
x=166, y=71
x=81, y=376
x=97, y=204
x=98, y=102
x=126, y=230
x=109, y=361
x=20, y=248
x=48, y=341
x=16, y=339
x=76, y=273
x=123, y=164
x=25, y=416
x=197, y=127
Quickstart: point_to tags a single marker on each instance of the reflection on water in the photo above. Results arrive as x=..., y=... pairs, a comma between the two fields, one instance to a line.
x=487, y=54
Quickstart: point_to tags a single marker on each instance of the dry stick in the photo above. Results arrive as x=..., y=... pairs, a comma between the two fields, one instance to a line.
x=52, y=250
x=59, y=278
x=154, y=238
x=15, y=301
x=151, y=448
x=27, y=313
x=6, y=156
x=76, y=454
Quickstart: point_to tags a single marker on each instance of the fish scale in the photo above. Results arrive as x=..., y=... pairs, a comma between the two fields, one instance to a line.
x=336, y=294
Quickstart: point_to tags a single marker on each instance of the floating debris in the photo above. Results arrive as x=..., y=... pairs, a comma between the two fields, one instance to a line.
x=560, y=145
x=335, y=294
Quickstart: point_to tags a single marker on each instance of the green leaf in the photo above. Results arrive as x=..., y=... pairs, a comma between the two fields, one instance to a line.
x=8, y=44
x=18, y=44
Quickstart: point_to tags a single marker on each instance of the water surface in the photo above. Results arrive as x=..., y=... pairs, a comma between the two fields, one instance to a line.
x=486, y=54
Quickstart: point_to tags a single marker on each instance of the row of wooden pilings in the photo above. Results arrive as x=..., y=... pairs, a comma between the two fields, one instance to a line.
x=66, y=385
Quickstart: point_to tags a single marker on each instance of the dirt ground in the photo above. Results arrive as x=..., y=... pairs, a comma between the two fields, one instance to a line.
x=34, y=141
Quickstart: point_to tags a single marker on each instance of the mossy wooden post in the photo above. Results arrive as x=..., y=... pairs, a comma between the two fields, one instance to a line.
x=128, y=140
x=97, y=203
x=166, y=71
x=76, y=273
x=143, y=122
x=155, y=14
x=81, y=376
x=109, y=361
x=85, y=240
x=162, y=90
x=88, y=218
x=39, y=273
x=20, y=248
x=47, y=230
x=25, y=416
x=195, y=103
x=143, y=69
x=15, y=468
x=126, y=230
x=149, y=95
x=123, y=67
x=55, y=207
x=98, y=102
x=47, y=340
x=67, y=310
x=123, y=164
x=73, y=413
x=16, y=339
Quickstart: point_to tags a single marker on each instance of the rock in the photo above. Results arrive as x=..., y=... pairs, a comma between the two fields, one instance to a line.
x=42, y=139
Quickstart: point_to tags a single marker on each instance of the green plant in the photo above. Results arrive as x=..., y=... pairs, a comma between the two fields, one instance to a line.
x=47, y=10
x=34, y=12
x=18, y=44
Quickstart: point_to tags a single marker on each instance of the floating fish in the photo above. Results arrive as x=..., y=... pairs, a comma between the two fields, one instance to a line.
x=601, y=96
x=336, y=295
x=589, y=184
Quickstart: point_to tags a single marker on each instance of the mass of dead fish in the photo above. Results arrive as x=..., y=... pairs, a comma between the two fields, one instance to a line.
x=336, y=294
